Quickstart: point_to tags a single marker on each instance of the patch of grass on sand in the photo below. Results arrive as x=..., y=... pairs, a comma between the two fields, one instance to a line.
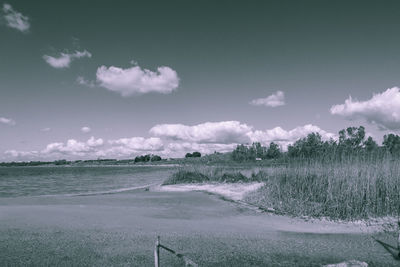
x=200, y=174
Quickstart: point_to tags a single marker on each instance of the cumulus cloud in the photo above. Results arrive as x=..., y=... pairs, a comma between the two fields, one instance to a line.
x=274, y=100
x=7, y=121
x=135, y=80
x=73, y=147
x=15, y=19
x=85, y=129
x=93, y=142
x=210, y=132
x=129, y=147
x=65, y=59
x=383, y=109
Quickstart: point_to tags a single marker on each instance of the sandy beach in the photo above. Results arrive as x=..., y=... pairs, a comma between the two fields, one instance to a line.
x=120, y=230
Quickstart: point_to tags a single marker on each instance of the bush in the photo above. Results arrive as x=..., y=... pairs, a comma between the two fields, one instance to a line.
x=155, y=158
x=196, y=154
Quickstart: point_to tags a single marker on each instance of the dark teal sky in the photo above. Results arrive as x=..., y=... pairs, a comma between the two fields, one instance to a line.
x=226, y=53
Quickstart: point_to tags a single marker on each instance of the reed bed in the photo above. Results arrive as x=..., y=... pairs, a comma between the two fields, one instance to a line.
x=353, y=187
x=348, y=189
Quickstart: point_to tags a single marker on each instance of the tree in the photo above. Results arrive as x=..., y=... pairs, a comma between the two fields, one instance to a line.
x=144, y=158
x=240, y=153
x=352, y=137
x=273, y=151
x=370, y=144
x=392, y=143
x=258, y=151
x=155, y=158
x=188, y=155
x=196, y=154
x=310, y=146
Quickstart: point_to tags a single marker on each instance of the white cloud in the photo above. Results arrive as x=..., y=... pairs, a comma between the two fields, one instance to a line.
x=232, y=132
x=93, y=142
x=47, y=129
x=64, y=60
x=21, y=154
x=180, y=149
x=92, y=148
x=223, y=132
x=383, y=109
x=139, y=143
x=129, y=147
x=7, y=121
x=286, y=137
x=85, y=129
x=274, y=100
x=82, y=81
x=15, y=19
x=73, y=147
x=135, y=80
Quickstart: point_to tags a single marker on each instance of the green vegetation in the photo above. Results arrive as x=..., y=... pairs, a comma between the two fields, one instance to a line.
x=350, y=178
x=199, y=174
x=251, y=153
x=350, y=189
x=193, y=155
x=147, y=158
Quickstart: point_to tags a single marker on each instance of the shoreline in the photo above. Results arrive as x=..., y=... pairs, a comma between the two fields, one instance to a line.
x=236, y=193
x=120, y=229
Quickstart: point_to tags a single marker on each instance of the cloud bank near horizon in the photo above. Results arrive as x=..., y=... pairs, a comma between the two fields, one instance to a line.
x=172, y=140
x=382, y=110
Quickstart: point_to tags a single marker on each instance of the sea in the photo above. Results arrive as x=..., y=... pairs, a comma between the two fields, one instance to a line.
x=78, y=180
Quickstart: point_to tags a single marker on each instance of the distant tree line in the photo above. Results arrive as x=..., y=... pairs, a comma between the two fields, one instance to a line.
x=195, y=154
x=351, y=141
x=147, y=158
x=256, y=151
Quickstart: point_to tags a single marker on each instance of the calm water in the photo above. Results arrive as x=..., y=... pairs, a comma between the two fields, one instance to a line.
x=37, y=181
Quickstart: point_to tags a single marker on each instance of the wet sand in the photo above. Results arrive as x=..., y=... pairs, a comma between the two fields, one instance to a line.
x=120, y=230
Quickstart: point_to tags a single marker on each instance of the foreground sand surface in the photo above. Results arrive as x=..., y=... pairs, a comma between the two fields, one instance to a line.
x=120, y=230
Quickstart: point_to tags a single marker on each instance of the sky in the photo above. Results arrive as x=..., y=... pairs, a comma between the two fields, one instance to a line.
x=124, y=78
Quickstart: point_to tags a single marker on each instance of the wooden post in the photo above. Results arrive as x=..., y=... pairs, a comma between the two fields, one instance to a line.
x=157, y=253
x=398, y=239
